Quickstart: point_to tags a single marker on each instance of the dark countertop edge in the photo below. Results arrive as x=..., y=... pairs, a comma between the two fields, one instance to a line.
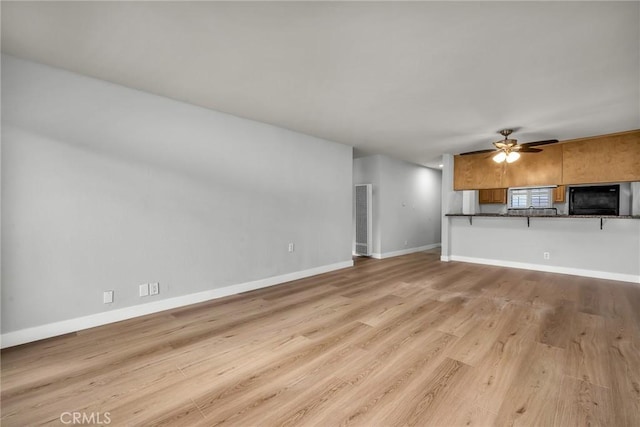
x=546, y=216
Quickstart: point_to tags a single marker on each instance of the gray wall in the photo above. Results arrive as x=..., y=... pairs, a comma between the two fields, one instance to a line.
x=407, y=205
x=410, y=205
x=104, y=187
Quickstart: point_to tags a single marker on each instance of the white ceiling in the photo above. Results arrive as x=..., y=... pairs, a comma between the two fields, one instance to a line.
x=413, y=80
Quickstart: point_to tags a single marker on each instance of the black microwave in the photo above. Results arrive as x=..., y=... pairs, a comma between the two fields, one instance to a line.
x=594, y=200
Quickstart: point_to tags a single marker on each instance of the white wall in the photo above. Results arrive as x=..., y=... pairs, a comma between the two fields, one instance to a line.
x=406, y=204
x=576, y=245
x=105, y=187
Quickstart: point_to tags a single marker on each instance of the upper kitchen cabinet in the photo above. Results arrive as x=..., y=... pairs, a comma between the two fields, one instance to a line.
x=479, y=171
x=607, y=158
x=598, y=159
x=476, y=172
x=495, y=195
x=559, y=194
x=543, y=168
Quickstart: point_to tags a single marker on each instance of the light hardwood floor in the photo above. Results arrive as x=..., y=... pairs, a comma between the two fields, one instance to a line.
x=402, y=341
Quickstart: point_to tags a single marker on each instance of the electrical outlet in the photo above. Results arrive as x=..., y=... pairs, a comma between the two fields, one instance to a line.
x=144, y=290
x=406, y=242
x=154, y=288
x=546, y=255
x=107, y=297
x=291, y=247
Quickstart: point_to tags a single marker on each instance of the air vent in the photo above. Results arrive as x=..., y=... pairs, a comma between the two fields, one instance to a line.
x=363, y=220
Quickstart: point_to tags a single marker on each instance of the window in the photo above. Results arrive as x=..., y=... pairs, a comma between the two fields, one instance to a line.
x=523, y=198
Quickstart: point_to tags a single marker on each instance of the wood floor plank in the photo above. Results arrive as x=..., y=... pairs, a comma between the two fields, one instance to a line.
x=533, y=396
x=625, y=380
x=266, y=372
x=581, y=403
x=471, y=317
x=286, y=397
x=556, y=325
x=586, y=358
x=501, y=367
x=460, y=414
x=408, y=340
x=479, y=341
x=397, y=327
x=429, y=398
x=308, y=403
x=368, y=402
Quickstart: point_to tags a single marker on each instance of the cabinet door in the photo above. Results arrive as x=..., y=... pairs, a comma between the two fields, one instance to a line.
x=559, y=194
x=477, y=171
x=485, y=196
x=499, y=195
x=543, y=168
x=492, y=195
x=608, y=158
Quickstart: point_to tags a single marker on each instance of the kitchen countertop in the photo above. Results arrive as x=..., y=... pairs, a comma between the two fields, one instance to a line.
x=494, y=215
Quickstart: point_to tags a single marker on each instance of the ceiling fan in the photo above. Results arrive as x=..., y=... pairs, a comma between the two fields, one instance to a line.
x=509, y=150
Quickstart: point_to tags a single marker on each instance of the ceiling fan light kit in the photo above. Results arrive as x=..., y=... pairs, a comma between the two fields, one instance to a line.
x=513, y=156
x=500, y=157
x=510, y=158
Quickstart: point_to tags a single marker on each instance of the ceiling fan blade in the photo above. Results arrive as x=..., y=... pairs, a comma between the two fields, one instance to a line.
x=523, y=149
x=508, y=144
x=477, y=152
x=536, y=143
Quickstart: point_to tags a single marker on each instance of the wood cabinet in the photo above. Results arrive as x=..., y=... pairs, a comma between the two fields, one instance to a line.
x=600, y=159
x=477, y=171
x=607, y=158
x=492, y=195
x=500, y=195
x=531, y=169
x=559, y=194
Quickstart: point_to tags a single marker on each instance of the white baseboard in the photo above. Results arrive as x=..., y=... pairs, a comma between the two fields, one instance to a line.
x=444, y=258
x=549, y=268
x=36, y=333
x=405, y=251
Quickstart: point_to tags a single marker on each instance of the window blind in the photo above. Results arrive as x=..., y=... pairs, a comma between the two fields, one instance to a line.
x=523, y=198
